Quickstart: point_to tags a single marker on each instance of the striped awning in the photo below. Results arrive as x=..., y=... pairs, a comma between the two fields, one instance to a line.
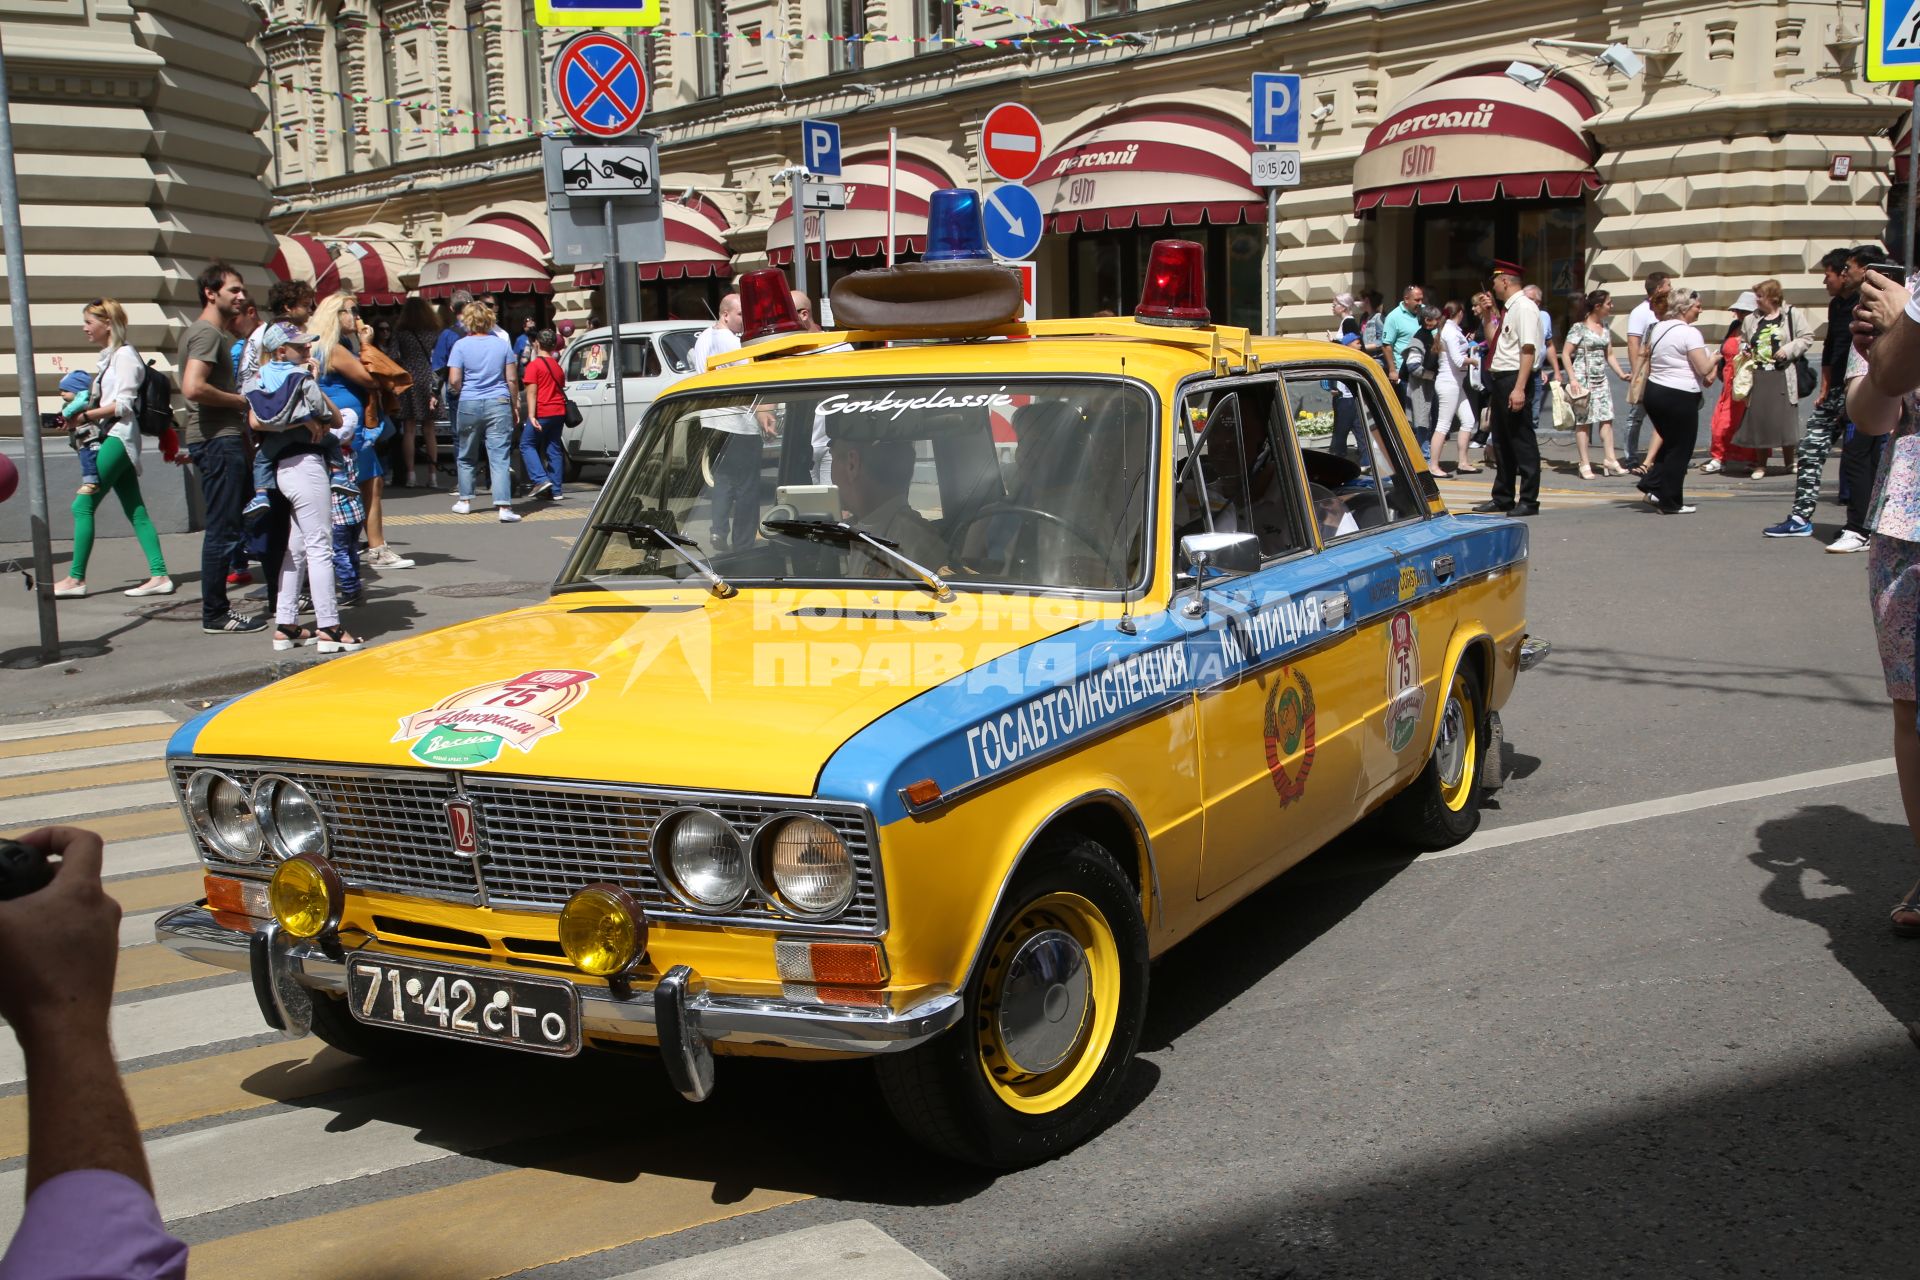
x=1478, y=136
x=305, y=258
x=861, y=228
x=492, y=253
x=1148, y=166
x=696, y=245
x=377, y=270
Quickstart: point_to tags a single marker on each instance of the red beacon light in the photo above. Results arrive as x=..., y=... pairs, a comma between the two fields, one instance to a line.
x=1175, y=293
x=766, y=306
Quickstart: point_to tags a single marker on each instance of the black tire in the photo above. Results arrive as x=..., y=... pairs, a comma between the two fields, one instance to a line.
x=569, y=467
x=1434, y=813
x=337, y=1027
x=940, y=1092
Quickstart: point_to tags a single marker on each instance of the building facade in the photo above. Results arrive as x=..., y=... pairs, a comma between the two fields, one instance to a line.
x=1744, y=143
x=135, y=133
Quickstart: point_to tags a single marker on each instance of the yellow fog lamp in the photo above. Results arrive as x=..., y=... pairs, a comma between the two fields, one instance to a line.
x=603, y=931
x=307, y=896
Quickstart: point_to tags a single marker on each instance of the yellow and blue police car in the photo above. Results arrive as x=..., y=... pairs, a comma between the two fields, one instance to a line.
x=911, y=688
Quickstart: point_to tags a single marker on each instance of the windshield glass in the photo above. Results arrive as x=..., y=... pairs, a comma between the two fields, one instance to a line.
x=1028, y=484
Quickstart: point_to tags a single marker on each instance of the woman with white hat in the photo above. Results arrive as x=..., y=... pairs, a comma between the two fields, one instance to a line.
x=1727, y=411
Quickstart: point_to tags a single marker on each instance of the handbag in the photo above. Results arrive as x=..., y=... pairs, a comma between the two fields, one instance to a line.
x=1562, y=408
x=1579, y=404
x=574, y=416
x=1740, y=384
x=1642, y=368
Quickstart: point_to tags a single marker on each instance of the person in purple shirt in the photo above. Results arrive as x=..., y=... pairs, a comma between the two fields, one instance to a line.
x=90, y=1213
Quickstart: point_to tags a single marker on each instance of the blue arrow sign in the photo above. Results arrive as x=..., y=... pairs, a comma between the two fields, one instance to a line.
x=1276, y=110
x=820, y=148
x=1013, y=221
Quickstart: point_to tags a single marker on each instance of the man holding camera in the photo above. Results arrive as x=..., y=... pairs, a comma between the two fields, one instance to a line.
x=90, y=1212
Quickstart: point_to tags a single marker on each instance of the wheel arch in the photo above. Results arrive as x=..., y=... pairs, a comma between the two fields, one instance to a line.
x=1473, y=650
x=1103, y=814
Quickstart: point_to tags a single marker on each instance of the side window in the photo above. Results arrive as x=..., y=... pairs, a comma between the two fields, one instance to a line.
x=587, y=362
x=1245, y=480
x=1354, y=473
x=678, y=344
x=638, y=359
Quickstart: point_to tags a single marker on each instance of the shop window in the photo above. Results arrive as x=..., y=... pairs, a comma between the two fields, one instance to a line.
x=1356, y=474
x=1244, y=478
x=1453, y=245
x=1108, y=8
x=390, y=85
x=530, y=63
x=710, y=54
x=846, y=24
x=479, y=87
x=339, y=110
x=1105, y=269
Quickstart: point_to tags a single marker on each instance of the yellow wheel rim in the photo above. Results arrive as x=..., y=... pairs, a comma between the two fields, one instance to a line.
x=1457, y=754
x=1048, y=1003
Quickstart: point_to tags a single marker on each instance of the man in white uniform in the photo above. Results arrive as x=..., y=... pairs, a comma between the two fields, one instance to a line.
x=1509, y=396
x=736, y=468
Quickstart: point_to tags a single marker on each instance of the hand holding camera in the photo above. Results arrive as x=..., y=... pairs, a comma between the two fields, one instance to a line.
x=59, y=935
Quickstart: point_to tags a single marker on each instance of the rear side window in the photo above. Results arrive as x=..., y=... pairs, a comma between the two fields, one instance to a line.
x=1355, y=474
x=1245, y=479
x=588, y=361
x=677, y=347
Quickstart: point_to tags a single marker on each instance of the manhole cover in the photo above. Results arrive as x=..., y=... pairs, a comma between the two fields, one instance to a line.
x=478, y=590
x=177, y=611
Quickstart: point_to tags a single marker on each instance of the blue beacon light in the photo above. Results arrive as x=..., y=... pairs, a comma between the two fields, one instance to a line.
x=954, y=230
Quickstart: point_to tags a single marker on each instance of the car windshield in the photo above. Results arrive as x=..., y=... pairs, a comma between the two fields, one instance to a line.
x=1036, y=484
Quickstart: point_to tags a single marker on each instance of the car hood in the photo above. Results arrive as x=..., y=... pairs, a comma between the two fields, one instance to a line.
x=666, y=688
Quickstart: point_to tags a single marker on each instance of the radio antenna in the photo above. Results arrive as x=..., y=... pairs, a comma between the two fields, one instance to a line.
x=1127, y=626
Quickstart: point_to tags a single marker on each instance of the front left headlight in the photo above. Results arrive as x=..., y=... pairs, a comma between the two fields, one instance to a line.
x=807, y=865
x=288, y=817
x=222, y=811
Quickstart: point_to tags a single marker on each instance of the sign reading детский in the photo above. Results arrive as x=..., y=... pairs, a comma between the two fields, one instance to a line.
x=597, y=13
x=1893, y=40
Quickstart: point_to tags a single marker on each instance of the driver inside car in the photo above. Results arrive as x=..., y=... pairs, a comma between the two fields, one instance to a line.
x=873, y=477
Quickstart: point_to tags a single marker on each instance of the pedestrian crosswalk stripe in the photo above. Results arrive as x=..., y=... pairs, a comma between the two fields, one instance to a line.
x=40, y=811
x=131, y=826
x=91, y=757
x=482, y=514
x=136, y=928
x=169, y=889
x=232, y=1083
x=156, y=853
x=39, y=784
x=166, y=1024
x=851, y=1250
x=15, y=749
x=81, y=724
x=496, y=1225
x=152, y=965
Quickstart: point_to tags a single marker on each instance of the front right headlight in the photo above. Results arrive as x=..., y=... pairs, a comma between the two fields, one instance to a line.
x=701, y=859
x=289, y=817
x=222, y=811
x=811, y=869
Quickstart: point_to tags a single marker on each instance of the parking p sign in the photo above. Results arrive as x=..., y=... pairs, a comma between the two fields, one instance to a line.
x=1276, y=109
x=820, y=148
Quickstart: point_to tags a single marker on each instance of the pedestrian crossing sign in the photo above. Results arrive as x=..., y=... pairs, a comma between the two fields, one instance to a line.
x=1893, y=40
x=597, y=13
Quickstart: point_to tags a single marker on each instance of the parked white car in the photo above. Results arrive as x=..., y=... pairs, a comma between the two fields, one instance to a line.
x=654, y=354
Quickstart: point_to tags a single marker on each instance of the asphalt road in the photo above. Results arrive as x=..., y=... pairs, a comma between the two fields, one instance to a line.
x=1618, y=1044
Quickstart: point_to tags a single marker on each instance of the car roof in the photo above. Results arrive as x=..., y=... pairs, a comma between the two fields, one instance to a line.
x=639, y=328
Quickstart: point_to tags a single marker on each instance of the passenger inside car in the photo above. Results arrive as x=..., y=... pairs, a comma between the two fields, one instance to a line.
x=873, y=477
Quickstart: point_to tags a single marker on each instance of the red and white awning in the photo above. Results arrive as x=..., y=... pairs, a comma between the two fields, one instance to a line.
x=696, y=245
x=376, y=270
x=1477, y=136
x=305, y=258
x=861, y=228
x=492, y=253
x=1149, y=166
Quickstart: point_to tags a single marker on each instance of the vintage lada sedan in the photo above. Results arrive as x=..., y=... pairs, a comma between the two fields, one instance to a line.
x=910, y=689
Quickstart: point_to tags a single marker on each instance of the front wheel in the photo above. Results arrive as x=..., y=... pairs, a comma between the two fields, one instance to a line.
x=1053, y=1015
x=1441, y=807
x=336, y=1027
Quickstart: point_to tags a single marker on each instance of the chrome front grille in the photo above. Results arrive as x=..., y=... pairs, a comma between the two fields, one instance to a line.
x=539, y=841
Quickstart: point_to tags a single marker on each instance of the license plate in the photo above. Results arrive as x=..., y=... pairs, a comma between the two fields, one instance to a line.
x=540, y=1015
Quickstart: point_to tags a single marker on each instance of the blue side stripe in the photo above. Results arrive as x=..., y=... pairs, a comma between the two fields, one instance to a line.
x=1005, y=714
x=181, y=743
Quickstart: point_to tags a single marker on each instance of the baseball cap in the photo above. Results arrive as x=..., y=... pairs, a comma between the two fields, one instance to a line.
x=283, y=334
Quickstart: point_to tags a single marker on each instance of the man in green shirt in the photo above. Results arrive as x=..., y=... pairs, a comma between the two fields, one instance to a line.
x=1397, y=334
x=216, y=420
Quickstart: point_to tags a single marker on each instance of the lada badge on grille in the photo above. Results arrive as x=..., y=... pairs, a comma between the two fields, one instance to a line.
x=460, y=826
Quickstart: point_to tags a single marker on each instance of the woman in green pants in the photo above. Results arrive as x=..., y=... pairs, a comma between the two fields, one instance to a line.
x=116, y=388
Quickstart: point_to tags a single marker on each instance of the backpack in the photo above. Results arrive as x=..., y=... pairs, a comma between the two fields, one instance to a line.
x=153, y=405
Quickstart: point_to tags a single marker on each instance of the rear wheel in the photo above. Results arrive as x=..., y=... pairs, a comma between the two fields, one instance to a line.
x=569, y=467
x=1441, y=807
x=1053, y=1015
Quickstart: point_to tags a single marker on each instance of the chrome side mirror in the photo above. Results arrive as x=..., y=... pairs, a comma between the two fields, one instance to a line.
x=1216, y=555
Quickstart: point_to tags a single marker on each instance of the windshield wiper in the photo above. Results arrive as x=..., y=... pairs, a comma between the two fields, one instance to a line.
x=686, y=547
x=840, y=533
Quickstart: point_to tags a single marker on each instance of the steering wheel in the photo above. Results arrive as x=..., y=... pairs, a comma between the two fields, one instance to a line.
x=957, y=540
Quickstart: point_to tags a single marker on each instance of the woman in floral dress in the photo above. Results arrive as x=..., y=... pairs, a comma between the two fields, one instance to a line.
x=1589, y=354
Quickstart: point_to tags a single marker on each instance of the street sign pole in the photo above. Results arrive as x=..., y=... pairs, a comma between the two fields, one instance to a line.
x=613, y=319
x=1913, y=181
x=33, y=462
x=1273, y=259
x=820, y=303
x=799, y=241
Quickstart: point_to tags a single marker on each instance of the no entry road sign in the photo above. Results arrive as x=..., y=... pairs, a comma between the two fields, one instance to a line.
x=1010, y=142
x=600, y=85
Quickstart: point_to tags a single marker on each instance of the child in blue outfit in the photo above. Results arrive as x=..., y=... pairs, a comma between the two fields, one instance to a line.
x=77, y=387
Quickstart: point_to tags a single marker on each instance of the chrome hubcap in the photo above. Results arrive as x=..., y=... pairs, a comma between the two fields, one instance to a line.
x=1451, y=753
x=1043, y=1004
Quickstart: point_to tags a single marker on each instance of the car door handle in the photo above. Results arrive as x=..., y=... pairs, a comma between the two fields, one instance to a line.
x=1443, y=566
x=1333, y=608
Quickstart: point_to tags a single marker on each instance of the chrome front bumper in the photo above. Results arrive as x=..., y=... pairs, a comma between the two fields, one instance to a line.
x=677, y=1011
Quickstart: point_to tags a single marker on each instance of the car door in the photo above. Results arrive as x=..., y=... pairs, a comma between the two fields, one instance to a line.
x=1374, y=524
x=640, y=381
x=587, y=385
x=1278, y=755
